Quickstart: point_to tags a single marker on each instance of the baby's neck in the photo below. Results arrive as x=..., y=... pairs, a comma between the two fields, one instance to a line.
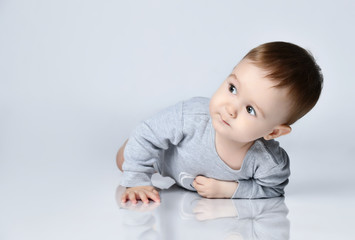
x=231, y=152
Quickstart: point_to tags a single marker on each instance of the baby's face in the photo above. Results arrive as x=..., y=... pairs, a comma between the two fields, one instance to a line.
x=247, y=106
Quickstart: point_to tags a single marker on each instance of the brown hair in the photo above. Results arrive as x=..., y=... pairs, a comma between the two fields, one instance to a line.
x=294, y=68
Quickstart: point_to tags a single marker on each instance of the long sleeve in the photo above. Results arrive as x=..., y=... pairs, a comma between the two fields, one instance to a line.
x=269, y=172
x=146, y=143
x=266, y=185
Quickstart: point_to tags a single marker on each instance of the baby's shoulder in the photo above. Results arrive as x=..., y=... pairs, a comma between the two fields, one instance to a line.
x=270, y=150
x=195, y=115
x=196, y=106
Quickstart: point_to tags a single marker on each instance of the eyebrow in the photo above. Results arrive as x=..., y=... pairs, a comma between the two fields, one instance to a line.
x=234, y=76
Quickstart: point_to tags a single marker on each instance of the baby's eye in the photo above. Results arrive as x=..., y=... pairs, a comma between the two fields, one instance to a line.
x=232, y=89
x=251, y=110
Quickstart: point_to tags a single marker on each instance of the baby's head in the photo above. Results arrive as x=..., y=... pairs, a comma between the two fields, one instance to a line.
x=293, y=68
x=273, y=86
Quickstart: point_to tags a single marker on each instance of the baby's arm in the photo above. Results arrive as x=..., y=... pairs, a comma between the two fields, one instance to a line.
x=213, y=188
x=142, y=153
x=143, y=193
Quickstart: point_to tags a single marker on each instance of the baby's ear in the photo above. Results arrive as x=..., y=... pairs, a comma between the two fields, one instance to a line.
x=278, y=131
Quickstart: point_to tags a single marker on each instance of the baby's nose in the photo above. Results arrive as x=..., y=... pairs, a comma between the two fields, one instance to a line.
x=232, y=111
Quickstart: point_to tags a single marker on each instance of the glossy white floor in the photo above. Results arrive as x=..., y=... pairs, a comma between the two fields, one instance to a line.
x=80, y=202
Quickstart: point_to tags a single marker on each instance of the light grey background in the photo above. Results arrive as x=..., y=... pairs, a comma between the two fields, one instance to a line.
x=77, y=76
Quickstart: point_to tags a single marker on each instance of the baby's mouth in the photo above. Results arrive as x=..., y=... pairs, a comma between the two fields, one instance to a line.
x=224, y=121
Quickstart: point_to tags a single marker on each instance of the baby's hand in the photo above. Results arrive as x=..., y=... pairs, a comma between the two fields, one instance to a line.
x=143, y=193
x=213, y=188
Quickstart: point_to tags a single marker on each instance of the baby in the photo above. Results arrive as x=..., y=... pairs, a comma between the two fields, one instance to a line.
x=224, y=147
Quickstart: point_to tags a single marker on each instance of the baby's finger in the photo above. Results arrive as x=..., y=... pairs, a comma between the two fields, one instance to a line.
x=143, y=197
x=132, y=197
x=198, y=180
x=201, y=193
x=154, y=196
x=124, y=198
x=196, y=185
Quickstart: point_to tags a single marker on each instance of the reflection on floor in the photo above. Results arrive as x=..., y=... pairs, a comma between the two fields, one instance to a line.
x=185, y=215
